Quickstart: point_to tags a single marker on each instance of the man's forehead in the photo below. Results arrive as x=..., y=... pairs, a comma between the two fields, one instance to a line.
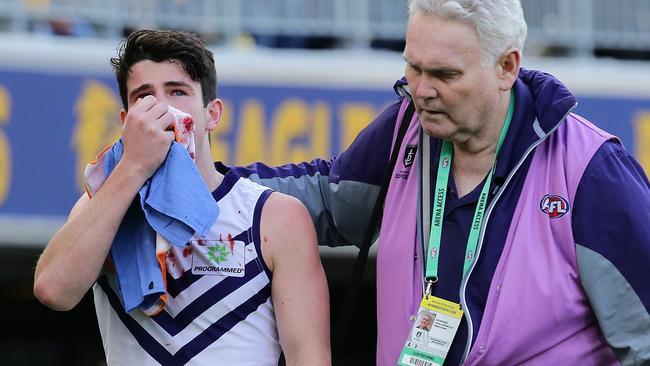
x=437, y=56
x=171, y=69
x=155, y=74
x=431, y=61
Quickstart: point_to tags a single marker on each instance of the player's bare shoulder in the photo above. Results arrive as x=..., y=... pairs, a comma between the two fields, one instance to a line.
x=286, y=230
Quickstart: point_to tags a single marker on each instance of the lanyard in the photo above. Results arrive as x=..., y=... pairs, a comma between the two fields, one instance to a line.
x=442, y=179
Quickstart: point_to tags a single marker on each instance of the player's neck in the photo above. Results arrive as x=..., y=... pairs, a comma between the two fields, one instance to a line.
x=211, y=176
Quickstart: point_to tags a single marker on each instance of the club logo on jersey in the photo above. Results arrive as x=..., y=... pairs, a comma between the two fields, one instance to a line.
x=409, y=154
x=554, y=206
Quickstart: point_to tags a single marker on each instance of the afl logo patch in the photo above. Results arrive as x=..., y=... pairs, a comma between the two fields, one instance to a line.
x=554, y=206
x=409, y=154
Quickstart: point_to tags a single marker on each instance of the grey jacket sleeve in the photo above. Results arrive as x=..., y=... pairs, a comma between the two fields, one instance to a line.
x=611, y=225
x=339, y=193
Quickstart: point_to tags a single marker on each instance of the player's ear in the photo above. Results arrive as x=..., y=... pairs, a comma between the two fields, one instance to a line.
x=215, y=107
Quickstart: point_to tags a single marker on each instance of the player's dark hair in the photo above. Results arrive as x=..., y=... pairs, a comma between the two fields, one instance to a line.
x=163, y=45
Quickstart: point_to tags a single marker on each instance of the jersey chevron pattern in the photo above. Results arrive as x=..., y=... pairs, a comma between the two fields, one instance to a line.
x=219, y=309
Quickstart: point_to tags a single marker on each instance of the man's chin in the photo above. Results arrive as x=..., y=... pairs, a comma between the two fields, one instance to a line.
x=436, y=131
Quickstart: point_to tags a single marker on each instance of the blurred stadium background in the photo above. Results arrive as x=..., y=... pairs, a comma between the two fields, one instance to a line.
x=299, y=78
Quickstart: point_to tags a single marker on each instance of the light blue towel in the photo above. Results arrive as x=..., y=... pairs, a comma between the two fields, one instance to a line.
x=176, y=203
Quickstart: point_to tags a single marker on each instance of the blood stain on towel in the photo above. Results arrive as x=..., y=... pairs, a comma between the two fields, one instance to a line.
x=188, y=123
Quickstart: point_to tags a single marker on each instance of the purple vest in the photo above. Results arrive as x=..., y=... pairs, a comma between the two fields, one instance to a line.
x=536, y=312
x=399, y=276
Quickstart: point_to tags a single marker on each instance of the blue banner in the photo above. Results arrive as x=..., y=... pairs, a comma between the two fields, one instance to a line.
x=52, y=124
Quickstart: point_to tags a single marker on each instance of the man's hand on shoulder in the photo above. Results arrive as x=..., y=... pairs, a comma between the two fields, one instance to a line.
x=299, y=287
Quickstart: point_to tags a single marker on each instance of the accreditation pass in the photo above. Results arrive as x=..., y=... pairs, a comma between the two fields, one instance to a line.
x=433, y=331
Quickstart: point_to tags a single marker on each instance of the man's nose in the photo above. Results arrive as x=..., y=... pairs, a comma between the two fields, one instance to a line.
x=162, y=97
x=426, y=88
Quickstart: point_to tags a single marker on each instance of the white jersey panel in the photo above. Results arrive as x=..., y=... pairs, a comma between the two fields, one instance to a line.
x=219, y=308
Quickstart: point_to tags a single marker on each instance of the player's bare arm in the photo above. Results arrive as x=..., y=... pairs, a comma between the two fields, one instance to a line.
x=299, y=287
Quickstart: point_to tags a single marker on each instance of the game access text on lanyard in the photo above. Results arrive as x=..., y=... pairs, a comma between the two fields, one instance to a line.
x=438, y=319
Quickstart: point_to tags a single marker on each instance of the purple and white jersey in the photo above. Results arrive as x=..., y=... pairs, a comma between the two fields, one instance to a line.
x=219, y=308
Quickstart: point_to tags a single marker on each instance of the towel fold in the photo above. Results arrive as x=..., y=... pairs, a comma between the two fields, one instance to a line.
x=174, y=204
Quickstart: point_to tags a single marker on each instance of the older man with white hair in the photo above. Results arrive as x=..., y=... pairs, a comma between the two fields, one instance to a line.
x=520, y=224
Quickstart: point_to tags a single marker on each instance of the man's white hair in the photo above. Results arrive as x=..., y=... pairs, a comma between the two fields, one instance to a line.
x=500, y=24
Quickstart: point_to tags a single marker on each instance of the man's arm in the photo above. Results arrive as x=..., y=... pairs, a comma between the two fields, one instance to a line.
x=611, y=213
x=340, y=193
x=72, y=260
x=299, y=287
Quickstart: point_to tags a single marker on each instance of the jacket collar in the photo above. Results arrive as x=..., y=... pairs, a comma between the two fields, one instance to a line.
x=541, y=104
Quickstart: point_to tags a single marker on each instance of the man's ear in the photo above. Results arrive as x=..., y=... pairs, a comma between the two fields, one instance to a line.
x=508, y=67
x=123, y=116
x=215, y=107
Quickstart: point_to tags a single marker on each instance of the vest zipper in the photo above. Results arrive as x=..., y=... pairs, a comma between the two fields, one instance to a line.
x=463, y=285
